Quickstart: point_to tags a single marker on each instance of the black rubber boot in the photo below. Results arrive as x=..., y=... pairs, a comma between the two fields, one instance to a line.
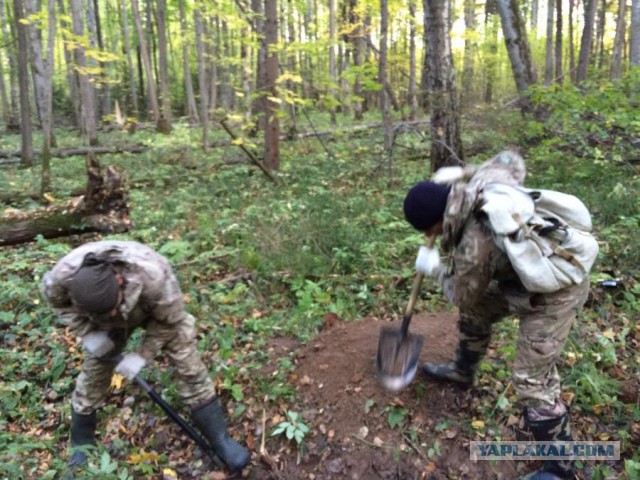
x=83, y=432
x=553, y=429
x=210, y=420
x=461, y=371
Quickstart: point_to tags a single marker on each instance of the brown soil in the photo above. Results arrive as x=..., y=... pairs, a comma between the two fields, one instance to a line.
x=341, y=400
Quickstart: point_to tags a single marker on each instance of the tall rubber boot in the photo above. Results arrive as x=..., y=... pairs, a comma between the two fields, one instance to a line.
x=461, y=371
x=553, y=429
x=210, y=420
x=83, y=432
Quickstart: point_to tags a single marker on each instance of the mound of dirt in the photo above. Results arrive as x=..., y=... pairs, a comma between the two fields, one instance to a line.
x=349, y=413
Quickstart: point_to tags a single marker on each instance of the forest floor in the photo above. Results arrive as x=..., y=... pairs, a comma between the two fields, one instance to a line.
x=336, y=381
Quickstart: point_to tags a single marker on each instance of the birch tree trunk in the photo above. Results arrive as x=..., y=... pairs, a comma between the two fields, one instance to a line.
x=165, y=120
x=23, y=76
x=491, y=29
x=515, y=38
x=48, y=140
x=587, y=40
x=192, y=111
x=446, y=145
x=152, y=96
x=572, y=53
x=634, y=43
x=86, y=91
x=618, y=42
x=272, y=127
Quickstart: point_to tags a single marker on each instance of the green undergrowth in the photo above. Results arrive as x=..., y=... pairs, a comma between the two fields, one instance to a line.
x=258, y=260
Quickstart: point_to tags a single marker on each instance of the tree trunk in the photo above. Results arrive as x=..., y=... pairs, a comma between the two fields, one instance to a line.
x=272, y=127
x=72, y=77
x=357, y=38
x=572, y=53
x=86, y=89
x=131, y=74
x=47, y=103
x=515, y=38
x=152, y=96
x=587, y=40
x=413, y=63
x=333, y=76
x=469, y=52
x=165, y=120
x=491, y=27
x=104, y=208
x=23, y=76
x=13, y=124
x=535, y=7
x=549, y=63
x=202, y=81
x=618, y=43
x=382, y=77
x=558, y=52
x=600, y=30
x=446, y=145
x=259, y=103
x=634, y=43
x=192, y=110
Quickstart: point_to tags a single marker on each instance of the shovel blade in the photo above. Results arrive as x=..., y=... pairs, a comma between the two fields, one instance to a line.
x=397, y=359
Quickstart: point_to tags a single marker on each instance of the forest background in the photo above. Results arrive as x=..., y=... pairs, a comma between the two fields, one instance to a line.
x=264, y=147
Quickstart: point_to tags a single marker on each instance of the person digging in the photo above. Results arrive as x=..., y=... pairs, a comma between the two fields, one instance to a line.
x=482, y=282
x=104, y=291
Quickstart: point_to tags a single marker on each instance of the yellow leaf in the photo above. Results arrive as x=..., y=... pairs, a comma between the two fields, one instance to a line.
x=48, y=198
x=117, y=380
x=608, y=333
x=604, y=436
x=168, y=474
x=138, y=458
x=477, y=424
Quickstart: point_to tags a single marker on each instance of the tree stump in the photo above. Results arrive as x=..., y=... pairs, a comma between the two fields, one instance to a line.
x=104, y=208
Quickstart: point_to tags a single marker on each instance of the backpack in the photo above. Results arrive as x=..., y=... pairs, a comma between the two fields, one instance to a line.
x=546, y=235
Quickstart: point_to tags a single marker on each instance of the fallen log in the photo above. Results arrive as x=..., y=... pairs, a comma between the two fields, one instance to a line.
x=104, y=208
x=13, y=156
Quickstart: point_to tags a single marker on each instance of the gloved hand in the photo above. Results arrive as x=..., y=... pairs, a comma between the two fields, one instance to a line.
x=448, y=174
x=130, y=365
x=428, y=260
x=97, y=343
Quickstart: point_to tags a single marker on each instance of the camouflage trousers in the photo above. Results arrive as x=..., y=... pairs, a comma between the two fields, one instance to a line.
x=177, y=341
x=545, y=322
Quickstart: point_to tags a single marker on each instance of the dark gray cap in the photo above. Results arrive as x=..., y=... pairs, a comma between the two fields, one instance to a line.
x=94, y=288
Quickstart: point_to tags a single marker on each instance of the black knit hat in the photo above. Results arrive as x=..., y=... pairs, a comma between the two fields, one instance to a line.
x=425, y=204
x=94, y=288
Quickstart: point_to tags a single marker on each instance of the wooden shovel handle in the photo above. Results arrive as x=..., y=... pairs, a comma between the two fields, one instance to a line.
x=415, y=290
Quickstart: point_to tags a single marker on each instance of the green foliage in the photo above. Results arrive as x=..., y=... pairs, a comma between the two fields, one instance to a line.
x=293, y=428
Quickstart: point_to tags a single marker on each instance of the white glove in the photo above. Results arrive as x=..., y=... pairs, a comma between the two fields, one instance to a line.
x=448, y=174
x=428, y=260
x=130, y=365
x=97, y=343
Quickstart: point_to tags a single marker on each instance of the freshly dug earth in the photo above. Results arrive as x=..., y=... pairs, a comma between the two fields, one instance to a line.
x=348, y=411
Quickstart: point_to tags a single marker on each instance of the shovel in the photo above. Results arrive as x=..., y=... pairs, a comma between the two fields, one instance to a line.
x=399, y=350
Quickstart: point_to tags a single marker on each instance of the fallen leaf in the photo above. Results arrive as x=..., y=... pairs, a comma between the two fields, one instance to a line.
x=363, y=432
x=138, y=458
x=117, y=380
x=168, y=474
x=377, y=441
x=477, y=424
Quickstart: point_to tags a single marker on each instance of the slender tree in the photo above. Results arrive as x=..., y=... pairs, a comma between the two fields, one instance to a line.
x=13, y=124
x=469, y=51
x=165, y=119
x=446, y=145
x=634, y=44
x=202, y=80
x=558, y=49
x=272, y=127
x=23, y=76
x=133, y=91
x=587, y=40
x=618, y=42
x=413, y=81
x=145, y=56
x=333, y=77
x=191, y=110
x=549, y=63
x=382, y=76
x=515, y=37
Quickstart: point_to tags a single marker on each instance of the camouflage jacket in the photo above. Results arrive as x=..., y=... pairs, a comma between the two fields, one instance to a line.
x=152, y=295
x=475, y=259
